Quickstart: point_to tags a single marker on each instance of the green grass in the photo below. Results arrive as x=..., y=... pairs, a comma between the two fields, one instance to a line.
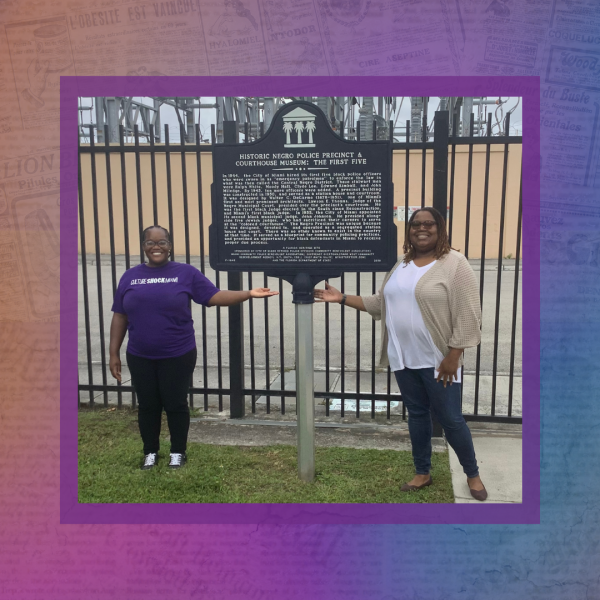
x=110, y=455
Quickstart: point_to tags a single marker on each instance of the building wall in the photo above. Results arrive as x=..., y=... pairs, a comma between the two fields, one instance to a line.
x=192, y=181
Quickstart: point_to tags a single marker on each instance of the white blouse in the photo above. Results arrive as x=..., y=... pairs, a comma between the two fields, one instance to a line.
x=410, y=344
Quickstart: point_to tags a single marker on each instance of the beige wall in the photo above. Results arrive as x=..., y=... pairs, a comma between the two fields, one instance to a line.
x=460, y=194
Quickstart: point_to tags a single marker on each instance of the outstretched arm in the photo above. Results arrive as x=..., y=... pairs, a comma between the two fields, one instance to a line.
x=330, y=294
x=231, y=298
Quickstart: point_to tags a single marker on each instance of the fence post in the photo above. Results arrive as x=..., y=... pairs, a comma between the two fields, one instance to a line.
x=441, y=123
x=237, y=403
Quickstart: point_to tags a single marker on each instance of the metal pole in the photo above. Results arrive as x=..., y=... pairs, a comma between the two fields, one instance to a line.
x=269, y=111
x=416, y=118
x=305, y=402
x=112, y=118
x=466, y=120
x=99, y=102
x=302, y=297
x=237, y=400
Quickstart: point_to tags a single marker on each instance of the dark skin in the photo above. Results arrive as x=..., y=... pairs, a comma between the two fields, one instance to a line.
x=424, y=242
x=158, y=256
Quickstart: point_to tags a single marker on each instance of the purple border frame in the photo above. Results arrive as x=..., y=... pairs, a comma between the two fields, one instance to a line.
x=527, y=512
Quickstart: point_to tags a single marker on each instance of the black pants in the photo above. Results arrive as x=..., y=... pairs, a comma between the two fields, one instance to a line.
x=159, y=384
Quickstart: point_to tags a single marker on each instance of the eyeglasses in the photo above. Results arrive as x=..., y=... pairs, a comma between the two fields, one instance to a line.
x=419, y=224
x=150, y=244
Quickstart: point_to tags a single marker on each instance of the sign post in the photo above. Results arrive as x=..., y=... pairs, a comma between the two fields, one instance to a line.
x=303, y=204
x=302, y=291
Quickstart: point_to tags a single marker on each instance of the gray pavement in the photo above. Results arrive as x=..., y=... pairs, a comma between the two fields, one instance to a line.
x=499, y=456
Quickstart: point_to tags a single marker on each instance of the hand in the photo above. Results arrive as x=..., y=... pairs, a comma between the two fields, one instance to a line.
x=262, y=293
x=329, y=294
x=115, y=367
x=448, y=370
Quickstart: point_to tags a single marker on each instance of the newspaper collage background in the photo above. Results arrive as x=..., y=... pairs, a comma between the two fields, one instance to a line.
x=555, y=40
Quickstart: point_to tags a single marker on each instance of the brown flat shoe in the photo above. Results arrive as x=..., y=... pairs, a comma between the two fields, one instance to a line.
x=407, y=487
x=480, y=495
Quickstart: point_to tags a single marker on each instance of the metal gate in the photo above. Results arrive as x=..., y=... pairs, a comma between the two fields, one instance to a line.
x=120, y=195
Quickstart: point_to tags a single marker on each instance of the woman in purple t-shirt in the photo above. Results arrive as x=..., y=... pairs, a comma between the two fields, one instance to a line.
x=152, y=303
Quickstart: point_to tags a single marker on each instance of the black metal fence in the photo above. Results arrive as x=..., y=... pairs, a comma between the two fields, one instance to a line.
x=258, y=336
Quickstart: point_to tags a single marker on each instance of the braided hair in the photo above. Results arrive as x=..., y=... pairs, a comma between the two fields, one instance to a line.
x=155, y=227
x=443, y=245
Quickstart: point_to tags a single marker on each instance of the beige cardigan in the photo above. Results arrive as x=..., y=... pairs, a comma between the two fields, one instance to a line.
x=448, y=296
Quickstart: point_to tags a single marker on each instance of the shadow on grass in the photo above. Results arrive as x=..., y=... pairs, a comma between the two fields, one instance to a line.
x=110, y=457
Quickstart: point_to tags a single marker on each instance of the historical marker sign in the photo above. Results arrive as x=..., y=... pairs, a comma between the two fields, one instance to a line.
x=301, y=199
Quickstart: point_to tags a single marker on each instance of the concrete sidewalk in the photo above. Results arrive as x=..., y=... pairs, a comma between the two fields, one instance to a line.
x=499, y=456
x=498, y=449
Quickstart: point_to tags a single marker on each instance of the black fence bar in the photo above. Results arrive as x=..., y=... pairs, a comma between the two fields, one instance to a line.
x=282, y=347
x=407, y=179
x=382, y=397
x=98, y=271
x=84, y=280
x=327, y=355
x=125, y=216
x=186, y=225
x=373, y=348
x=144, y=149
x=267, y=342
x=515, y=302
x=202, y=261
x=252, y=362
x=138, y=179
x=213, y=134
x=186, y=219
x=422, y=145
x=237, y=404
x=440, y=161
x=153, y=174
x=469, y=181
x=219, y=348
x=124, y=194
x=111, y=230
x=482, y=257
x=389, y=393
x=412, y=145
x=423, y=159
x=169, y=191
x=342, y=350
x=494, y=141
x=331, y=389
x=499, y=278
x=200, y=199
x=358, y=347
x=452, y=167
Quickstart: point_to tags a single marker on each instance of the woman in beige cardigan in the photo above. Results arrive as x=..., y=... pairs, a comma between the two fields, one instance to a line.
x=430, y=312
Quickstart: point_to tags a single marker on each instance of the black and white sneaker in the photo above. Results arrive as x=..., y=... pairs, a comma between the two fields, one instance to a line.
x=177, y=460
x=149, y=461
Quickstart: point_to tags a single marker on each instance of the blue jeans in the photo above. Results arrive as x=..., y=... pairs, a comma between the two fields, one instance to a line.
x=421, y=394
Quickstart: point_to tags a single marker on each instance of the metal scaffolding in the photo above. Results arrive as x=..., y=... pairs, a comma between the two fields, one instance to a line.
x=352, y=115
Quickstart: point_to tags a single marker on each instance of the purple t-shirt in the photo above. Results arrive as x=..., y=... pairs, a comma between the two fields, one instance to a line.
x=156, y=301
